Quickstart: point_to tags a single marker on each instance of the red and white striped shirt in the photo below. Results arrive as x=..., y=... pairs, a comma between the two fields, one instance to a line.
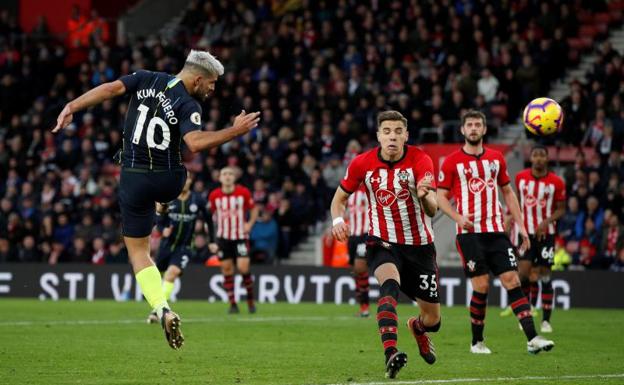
x=395, y=213
x=473, y=181
x=357, y=207
x=231, y=210
x=537, y=198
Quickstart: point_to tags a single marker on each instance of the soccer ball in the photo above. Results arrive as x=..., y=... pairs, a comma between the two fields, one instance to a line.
x=543, y=116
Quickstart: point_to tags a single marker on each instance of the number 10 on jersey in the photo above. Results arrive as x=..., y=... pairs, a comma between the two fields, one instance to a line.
x=155, y=121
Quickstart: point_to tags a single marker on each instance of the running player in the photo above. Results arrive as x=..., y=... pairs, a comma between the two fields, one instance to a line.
x=162, y=111
x=176, y=221
x=472, y=176
x=542, y=198
x=357, y=207
x=236, y=214
x=400, y=187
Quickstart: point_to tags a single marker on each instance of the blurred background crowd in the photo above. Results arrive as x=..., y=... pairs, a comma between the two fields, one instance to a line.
x=319, y=71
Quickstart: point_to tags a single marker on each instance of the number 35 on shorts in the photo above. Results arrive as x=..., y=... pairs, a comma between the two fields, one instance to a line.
x=429, y=282
x=512, y=257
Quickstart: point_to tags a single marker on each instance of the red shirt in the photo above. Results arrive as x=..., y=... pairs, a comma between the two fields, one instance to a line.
x=537, y=197
x=394, y=211
x=231, y=210
x=357, y=207
x=472, y=181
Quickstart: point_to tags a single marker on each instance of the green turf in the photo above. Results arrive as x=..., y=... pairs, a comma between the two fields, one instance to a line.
x=285, y=344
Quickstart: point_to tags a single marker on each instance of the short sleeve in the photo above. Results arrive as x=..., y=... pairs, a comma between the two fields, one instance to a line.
x=425, y=170
x=353, y=176
x=211, y=202
x=190, y=117
x=132, y=81
x=503, y=175
x=446, y=176
x=249, y=202
x=560, y=190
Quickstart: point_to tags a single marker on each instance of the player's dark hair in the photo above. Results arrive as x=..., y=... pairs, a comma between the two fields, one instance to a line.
x=390, y=115
x=539, y=146
x=473, y=114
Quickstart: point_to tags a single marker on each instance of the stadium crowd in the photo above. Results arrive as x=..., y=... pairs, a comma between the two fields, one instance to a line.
x=319, y=72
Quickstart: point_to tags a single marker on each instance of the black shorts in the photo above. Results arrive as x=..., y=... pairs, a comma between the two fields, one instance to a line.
x=417, y=267
x=541, y=253
x=233, y=249
x=179, y=257
x=357, y=248
x=485, y=252
x=139, y=190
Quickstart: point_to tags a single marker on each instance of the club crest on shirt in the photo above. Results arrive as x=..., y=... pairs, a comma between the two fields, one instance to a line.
x=403, y=176
x=440, y=176
x=471, y=265
x=193, y=207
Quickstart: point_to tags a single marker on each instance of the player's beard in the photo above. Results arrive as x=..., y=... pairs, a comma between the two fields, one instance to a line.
x=474, y=142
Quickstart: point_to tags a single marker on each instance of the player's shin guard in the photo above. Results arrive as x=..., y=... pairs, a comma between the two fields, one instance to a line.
x=547, y=297
x=361, y=288
x=534, y=293
x=149, y=281
x=387, y=318
x=228, y=286
x=248, y=283
x=478, y=304
x=522, y=310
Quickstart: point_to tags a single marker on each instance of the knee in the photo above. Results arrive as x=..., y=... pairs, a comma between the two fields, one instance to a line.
x=481, y=287
x=510, y=280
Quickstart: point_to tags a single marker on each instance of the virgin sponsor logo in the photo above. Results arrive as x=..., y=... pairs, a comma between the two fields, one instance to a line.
x=530, y=201
x=476, y=185
x=385, y=197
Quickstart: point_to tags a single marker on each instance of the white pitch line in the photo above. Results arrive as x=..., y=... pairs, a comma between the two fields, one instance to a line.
x=489, y=379
x=185, y=320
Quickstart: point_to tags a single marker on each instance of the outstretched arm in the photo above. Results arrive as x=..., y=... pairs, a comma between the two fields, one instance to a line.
x=203, y=140
x=90, y=98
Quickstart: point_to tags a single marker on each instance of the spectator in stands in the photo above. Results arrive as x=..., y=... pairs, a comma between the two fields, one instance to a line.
x=333, y=172
x=588, y=245
x=28, y=251
x=593, y=212
x=612, y=240
x=566, y=226
x=264, y=237
x=487, y=86
x=618, y=265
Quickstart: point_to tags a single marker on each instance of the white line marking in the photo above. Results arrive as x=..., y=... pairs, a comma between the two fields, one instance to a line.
x=488, y=380
x=185, y=320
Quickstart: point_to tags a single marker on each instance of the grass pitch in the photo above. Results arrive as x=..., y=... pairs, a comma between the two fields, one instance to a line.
x=104, y=342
